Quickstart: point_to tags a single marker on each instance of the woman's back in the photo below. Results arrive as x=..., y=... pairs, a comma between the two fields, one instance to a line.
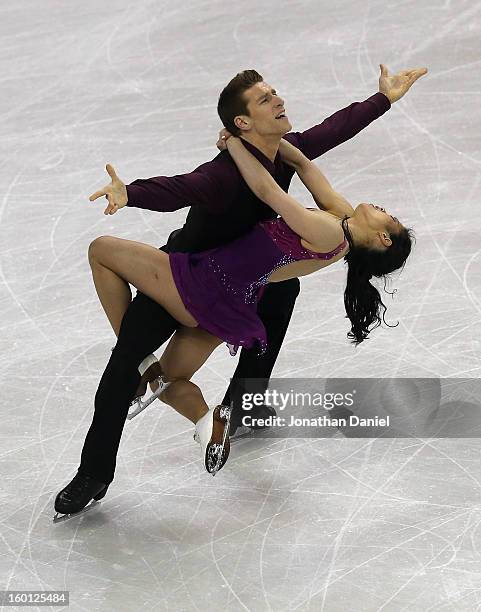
x=307, y=258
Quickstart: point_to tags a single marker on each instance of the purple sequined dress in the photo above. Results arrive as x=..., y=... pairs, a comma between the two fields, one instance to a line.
x=221, y=287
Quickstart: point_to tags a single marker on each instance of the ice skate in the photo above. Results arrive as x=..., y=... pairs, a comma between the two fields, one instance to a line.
x=258, y=415
x=211, y=431
x=75, y=497
x=59, y=518
x=153, y=375
x=237, y=432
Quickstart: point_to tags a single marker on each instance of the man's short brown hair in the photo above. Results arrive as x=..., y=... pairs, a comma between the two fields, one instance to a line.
x=232, y=101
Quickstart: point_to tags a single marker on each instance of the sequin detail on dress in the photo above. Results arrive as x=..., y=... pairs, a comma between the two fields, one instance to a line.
x=290, y=242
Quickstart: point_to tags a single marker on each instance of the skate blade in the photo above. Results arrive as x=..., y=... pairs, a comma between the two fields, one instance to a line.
x=241, y=432
x=143, y=405
x=218, y=449
x=59, y=518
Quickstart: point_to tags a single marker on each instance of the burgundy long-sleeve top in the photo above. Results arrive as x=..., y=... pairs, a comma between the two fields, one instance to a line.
x=222, y=205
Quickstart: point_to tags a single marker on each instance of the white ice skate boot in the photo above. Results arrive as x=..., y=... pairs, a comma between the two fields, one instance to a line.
x=212, y=433
x=151, y=373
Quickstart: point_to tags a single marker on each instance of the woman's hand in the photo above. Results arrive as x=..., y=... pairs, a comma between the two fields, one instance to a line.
x=115, y=193
x=224, y=135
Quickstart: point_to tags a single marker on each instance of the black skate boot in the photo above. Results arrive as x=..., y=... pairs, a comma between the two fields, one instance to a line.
x=255, y=421
x=77, y=494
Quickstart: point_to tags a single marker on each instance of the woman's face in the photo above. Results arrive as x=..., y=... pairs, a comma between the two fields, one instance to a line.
x=375, y=221
x=376, y=217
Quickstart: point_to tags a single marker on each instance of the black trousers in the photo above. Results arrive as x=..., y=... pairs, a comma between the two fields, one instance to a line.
x=145, y=327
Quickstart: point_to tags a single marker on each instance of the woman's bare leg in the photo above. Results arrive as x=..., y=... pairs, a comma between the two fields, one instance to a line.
x=186, y=352
x=188, y=349
x=113, y=292
x=186, y=398
x=116, y=262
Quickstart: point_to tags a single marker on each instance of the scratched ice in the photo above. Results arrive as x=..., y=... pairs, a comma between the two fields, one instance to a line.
x=289, y=524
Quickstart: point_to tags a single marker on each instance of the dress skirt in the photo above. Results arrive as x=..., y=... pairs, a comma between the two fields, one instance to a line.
x=220, y=309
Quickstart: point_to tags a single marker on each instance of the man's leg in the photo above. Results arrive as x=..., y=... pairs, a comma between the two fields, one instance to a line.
x=275, y=310
x=145, y=327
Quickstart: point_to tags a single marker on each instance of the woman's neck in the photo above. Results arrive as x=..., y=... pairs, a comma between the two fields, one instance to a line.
x=358, y=237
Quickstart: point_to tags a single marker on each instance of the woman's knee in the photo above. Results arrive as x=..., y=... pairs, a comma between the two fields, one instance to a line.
x=174, y=373
x=98, y=246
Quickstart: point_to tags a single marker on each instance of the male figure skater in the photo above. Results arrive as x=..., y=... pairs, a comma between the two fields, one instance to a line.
x=222, y=208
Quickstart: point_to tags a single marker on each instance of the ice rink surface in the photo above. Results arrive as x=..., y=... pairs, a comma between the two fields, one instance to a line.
x=289, y=524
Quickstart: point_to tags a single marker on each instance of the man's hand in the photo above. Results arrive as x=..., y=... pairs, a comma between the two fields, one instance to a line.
x=396, y=85
x=116, y=193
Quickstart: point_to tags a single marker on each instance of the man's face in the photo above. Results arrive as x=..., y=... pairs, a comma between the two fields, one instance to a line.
x=264, y=106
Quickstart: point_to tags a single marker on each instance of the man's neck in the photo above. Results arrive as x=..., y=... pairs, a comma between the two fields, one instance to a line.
x=267, y=146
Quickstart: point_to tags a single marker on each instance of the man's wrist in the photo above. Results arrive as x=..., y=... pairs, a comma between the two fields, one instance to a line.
x=130, y=194
x=382, y=102
x=385, y=94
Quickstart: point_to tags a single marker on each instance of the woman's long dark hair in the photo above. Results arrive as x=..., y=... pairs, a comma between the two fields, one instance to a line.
x=361, y=299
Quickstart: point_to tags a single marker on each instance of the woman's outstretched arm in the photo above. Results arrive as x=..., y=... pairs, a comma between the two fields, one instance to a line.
x=323, y=194
x=304, y=222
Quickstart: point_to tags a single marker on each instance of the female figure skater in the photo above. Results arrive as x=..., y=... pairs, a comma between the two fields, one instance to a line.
x=214, y=293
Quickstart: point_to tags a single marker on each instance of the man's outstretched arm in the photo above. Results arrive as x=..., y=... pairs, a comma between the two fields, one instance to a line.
x=211, y=185
x=349, y=121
